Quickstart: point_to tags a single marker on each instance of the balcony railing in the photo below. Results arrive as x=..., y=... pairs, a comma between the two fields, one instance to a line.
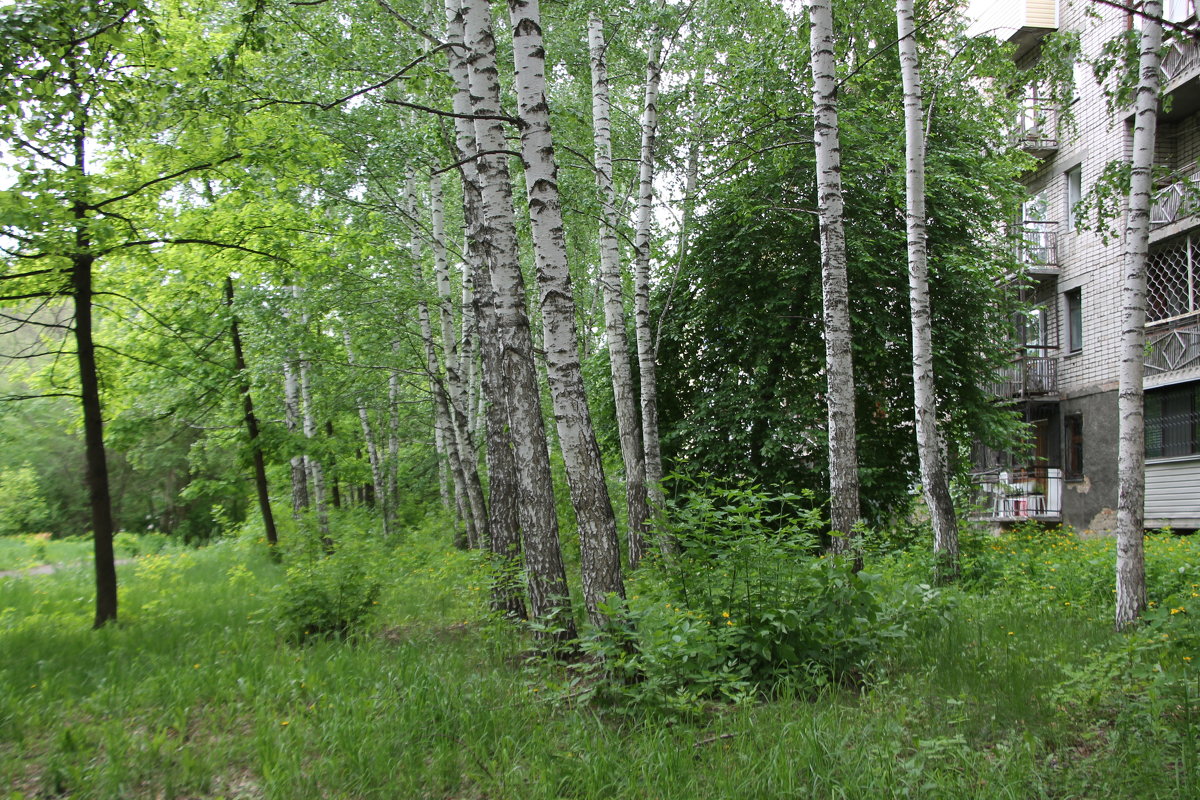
x=1037, y=247
x=1019, y=494
x=1037, y=127
x=1181, y=59
x=1033, y=373
x=1175, y=197
x=1173, y=345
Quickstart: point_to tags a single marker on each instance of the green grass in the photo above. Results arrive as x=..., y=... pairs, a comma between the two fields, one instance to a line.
x=195, y=695
x=34, y=549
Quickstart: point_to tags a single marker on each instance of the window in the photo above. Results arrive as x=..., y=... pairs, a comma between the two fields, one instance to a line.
x=1073, y=446
x=1173, y=280
x=1074, y=194
x=1074, y=303
x=1178, y=10
x=1172, y=421
x=1032, y=330
x=1039, y=239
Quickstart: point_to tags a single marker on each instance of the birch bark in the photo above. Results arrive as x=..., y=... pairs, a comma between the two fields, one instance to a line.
x=443, y=415
x=312, y=466
x=600, y=552
x=291, y=415
x=934, y=481
x=456, y=390
x=839, y=365
x=508, y=594
x=378, y=482
x=628, y=424
x=1131, y=452
x=647, y=356
x=547, y=579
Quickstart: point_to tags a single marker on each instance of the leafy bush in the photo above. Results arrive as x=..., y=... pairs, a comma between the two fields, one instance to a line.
x=330, y=587
x=140, y=544
x=23, y=506
x=744, y=604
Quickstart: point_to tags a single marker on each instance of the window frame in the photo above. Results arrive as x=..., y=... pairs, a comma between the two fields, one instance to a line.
x=1163, y=442
x=1074, y=194
x=1073, y=314
x=1073, y=450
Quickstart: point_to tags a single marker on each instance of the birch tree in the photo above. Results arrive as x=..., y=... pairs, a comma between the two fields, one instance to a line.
x=479, y=303
x=546, y=574
x=647, y=358
x=291, y=415
x=457, y=398
x=600, y=553
x=629, y=428
x=374, y=457
x=1131, y=453
x=934, y=481
x=839, y=365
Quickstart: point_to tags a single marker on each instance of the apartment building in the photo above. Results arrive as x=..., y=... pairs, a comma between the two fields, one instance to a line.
x=1063, y=378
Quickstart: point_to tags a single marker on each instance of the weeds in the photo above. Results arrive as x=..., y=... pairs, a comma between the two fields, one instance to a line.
x=996, y=689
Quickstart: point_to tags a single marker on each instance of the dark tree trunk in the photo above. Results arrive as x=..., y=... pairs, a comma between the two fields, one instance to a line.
x=335, y=492
x=260, y=468
x=93, y=432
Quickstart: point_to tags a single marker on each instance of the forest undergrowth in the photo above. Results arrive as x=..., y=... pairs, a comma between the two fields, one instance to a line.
x=380, y=673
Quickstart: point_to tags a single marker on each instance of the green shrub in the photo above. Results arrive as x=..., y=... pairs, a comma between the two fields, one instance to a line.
x=330, y=587
x=23, y=506
x=744, y=604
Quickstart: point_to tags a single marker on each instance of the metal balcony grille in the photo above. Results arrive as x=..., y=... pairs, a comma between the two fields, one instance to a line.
x=1033, y=492
x=1175, y=198
x=1037, y=126
x=1182, y=57
x=1171, y=280
x=1038, y=244
x=1173, y=345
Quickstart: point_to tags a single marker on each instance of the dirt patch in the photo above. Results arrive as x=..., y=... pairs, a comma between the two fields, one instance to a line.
x=49, y=569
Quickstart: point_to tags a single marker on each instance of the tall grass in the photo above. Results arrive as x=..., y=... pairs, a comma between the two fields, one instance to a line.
x=196, y=695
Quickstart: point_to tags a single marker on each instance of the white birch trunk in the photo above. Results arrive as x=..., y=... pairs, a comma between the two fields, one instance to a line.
x=508, y=593
x=456, y=391
x=647, y=357
x=547, y=579
x=291, y=412
x=312, y=466
x=378, y=483
x=443, y=413
x=1131, y=452
x=934, y=481
x=469, y=347
x=628, y=424
x=600, y=552
x=839, y=365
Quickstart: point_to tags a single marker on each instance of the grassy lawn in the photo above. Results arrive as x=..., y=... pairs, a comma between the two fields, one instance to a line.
x=35, y=549
x=1017, y=691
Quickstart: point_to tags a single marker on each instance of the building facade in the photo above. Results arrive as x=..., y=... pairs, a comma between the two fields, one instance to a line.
x=1063, y=378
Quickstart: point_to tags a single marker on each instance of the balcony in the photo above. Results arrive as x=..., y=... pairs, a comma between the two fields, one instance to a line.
x=1036, y=131
x=1024, y=493
x=1173, y=344
x=1037, y=247
x=1033, y=373
x=1180, y=61
x=1180, y=68
x=1022, y=22
x=1175, y=197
